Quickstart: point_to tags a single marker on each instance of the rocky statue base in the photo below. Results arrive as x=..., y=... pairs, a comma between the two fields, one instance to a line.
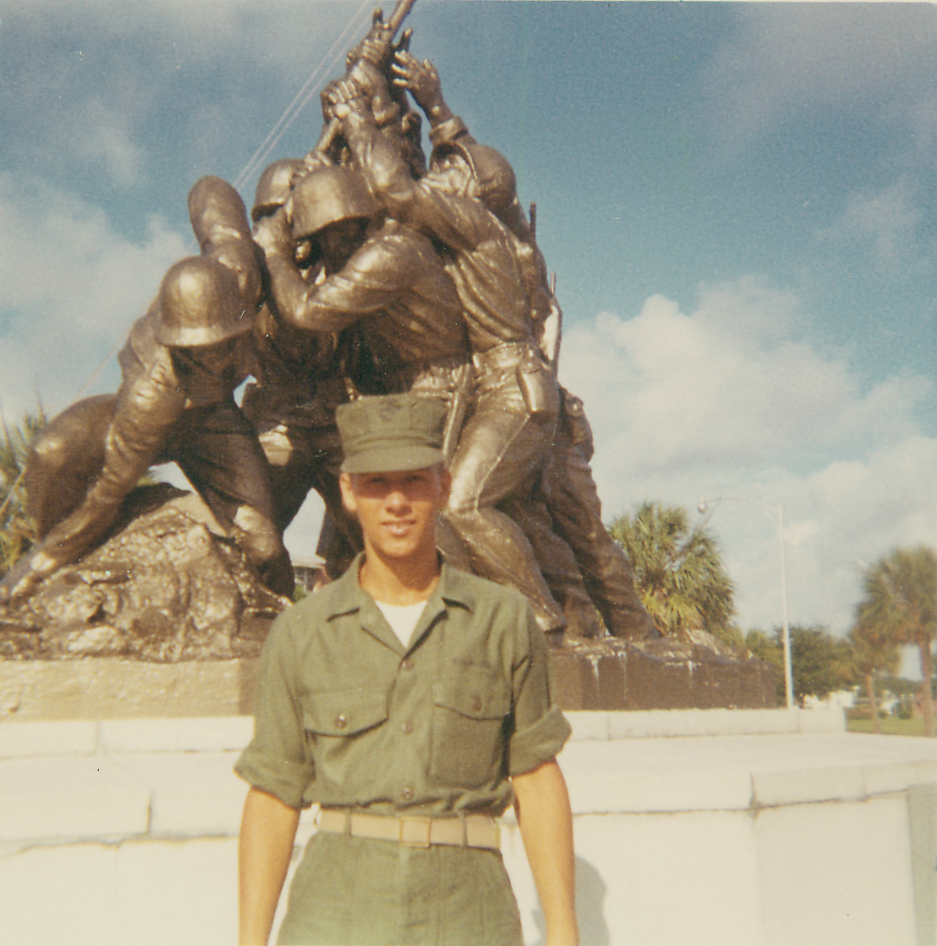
x=167, y=586
x=166, y=619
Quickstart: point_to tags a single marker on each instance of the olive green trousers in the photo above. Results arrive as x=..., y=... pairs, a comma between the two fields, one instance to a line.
x=350, y=891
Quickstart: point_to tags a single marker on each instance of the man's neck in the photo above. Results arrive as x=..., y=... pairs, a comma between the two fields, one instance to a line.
x=396, y=581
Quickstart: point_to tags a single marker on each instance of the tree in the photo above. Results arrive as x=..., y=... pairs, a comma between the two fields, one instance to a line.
x=767, y=648
x=678, y=570
x=872, y=653
x=17, y=530
x=820, y=663
x=900, y=604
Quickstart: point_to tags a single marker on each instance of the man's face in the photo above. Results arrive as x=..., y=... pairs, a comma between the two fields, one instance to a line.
x=397, y=510
x=451, y=175
x=304, y=252
x=210, y=359
x=338, y=241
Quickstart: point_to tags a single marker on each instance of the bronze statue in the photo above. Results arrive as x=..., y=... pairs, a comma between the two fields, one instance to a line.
x=370, y=274
x=180, y=366
x=560, y=512
x=515, y=399
x=369, y=271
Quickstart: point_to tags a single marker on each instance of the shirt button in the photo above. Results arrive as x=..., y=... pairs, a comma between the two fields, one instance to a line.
x=407, y=794
x=407, y=727
x=341, y=721
x=406, y=664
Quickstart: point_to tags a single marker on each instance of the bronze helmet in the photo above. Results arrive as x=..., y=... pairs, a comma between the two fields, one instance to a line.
x=199, y=304
x=273, y=188
x=493, y=173
x=329, y=194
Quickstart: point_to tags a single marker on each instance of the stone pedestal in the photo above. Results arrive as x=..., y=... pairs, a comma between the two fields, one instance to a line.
x=707, y=828
x=609, y=676
x=662, y=674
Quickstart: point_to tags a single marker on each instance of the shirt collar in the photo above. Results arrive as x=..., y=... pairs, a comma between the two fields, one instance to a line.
x=453, y=589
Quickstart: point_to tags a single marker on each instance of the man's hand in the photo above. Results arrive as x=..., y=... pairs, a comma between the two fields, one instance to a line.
x=239, y=255
x=315, y=159
x=351, y=94
x=268, y=829
x=273, y=234
x=376, y=46
x=546, y=823
x=420, y=79
x=21, y=580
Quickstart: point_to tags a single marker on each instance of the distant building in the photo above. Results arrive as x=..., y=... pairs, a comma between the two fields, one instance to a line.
x=309, y=573
x=841, y=699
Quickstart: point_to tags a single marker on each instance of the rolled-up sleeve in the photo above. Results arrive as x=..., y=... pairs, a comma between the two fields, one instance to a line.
x=277, y=760
x=540, y=728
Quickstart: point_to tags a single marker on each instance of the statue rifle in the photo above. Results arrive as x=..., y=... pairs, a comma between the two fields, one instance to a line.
x=329, y=132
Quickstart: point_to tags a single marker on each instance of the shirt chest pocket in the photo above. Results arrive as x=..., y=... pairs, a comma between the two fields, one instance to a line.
x=339, y=727
x=470, y=711
x=343, y=712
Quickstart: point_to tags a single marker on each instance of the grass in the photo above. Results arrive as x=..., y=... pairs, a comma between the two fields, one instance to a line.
x=890, y=726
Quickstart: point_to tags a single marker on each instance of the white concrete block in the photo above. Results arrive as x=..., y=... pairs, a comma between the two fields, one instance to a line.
x=73, y=798
x=836, y=873
x=182, y=893
x=651, y=775
x=59, y=896
x=795, y=786
x=658, y=724
x=589, y=724
x=209, y=734
x=828, y=719
x=922, y=821
x=629, y=869
x=63, y=738
x=688, y=875
x=193, y=793
x=885, y=777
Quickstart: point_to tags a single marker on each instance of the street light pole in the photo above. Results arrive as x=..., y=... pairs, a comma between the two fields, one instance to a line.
x=786, y=630
x=788, y=672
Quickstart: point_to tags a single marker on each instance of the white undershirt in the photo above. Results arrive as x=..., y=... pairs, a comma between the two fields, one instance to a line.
x=402, y=618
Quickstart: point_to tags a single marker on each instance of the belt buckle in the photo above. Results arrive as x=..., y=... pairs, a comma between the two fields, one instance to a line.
x=415, y=832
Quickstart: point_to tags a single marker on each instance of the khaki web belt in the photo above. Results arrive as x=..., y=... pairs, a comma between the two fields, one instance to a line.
x=462, y=831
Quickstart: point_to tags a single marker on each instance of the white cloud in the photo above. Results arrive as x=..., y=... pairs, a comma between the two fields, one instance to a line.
x=886, y=222
x=785, y=58
x=720, y=386
x=715, y=403
x=105, y=137
x=72, y=288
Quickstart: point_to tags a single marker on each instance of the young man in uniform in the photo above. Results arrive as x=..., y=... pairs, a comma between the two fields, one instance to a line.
x=412, y=702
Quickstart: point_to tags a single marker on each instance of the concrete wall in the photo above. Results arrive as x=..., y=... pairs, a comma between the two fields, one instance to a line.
x=756, y=828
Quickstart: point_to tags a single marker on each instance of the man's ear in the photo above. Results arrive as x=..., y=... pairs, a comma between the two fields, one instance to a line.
x=346, y=485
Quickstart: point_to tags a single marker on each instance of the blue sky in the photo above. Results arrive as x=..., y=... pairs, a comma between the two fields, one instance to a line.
x=739, y=201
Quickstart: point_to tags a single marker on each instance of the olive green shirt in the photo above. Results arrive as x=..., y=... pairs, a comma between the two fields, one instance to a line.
x=347, y=716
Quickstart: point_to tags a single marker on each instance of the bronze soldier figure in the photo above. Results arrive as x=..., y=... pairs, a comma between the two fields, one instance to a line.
x=180, y=366
x=561, y=514
x=515, y=398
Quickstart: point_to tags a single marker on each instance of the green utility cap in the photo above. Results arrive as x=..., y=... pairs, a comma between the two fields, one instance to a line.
x=392, y=432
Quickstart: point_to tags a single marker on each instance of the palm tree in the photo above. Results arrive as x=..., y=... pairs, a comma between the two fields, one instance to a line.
x=17, y=530
x=678, y=570
x=900, y=604
x=873, y=653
